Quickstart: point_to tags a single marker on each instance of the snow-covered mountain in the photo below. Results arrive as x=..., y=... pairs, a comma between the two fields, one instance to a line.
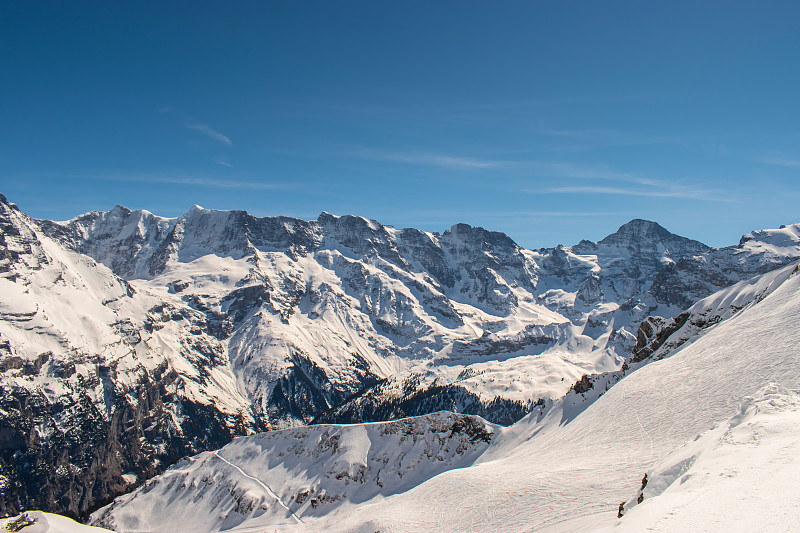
x=131, y=340
x=712, y=423
x=103, y=384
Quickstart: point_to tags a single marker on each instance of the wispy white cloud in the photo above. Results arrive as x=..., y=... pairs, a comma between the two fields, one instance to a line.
x=584, y=133
x=428, y=159
x=568, y=214
x=781, y=162
x=479, y=109
x=209, y=132
x=203, y=182
x=670, y=192
x=515, y=214
x=223, y=163
x=570, y=170
x=622, y=184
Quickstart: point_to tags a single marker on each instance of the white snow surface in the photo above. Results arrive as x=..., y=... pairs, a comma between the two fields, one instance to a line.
x=48, y=523
x=741, y=476
x=565, y=472
x=343, y=298
x=781, y=242
x=344, y=302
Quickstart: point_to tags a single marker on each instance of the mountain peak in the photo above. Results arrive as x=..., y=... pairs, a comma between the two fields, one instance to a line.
x=476, y=234
x=785, y=237
x=638, y=231
x=641, y=226
x=460, y=227
x=11, y=205
x=327, y=218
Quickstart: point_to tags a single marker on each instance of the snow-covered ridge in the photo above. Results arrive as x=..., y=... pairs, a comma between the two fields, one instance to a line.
x=718, y=307
x=288, y=477
x=95, y=371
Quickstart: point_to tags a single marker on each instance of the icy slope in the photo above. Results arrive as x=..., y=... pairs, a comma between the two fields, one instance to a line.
x=568, y=471
x=741, y=476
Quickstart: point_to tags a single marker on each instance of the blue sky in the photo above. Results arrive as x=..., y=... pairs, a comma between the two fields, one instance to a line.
x=549, y=121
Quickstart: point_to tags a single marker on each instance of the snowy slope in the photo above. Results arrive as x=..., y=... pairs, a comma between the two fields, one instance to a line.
x=572, y=473
x=741, y=476
x=39, y=522
x=570, y=470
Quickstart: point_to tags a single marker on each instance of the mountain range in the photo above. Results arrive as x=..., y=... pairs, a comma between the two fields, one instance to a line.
x=129, y=342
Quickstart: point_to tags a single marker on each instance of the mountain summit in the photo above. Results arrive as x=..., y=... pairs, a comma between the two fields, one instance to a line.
x=638, y=233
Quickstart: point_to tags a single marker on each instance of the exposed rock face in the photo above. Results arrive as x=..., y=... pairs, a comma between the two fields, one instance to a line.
x=170, y=336
x=390, y=400
x=74, y=469
x=632, y=257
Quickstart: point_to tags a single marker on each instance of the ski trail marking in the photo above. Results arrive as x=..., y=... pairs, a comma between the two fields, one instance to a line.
x=266, y=487
x=625, y=396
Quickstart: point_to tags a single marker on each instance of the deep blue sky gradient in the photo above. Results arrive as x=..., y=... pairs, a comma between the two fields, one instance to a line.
x=550, y=121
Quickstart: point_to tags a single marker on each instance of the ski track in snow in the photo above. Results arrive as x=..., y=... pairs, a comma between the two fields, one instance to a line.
x=638, y=418
x=264, y=485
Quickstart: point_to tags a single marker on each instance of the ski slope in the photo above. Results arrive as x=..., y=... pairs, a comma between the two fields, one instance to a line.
x=570, y=471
